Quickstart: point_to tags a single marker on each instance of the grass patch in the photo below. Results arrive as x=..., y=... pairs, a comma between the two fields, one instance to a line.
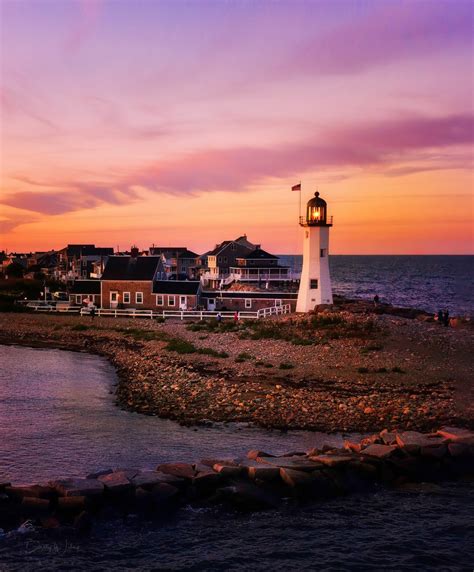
x=244, y=356
x=371, y=348
x=362, y=370
x=81, y=328
x=381, y=370
x=212, y=352
x=184, y=347
x=286, y=365
x=397, y=369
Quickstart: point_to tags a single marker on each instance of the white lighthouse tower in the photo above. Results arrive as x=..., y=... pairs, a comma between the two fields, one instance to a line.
x=315, y=283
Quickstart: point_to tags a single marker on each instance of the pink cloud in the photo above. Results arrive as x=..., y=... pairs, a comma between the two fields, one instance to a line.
x=380, y=147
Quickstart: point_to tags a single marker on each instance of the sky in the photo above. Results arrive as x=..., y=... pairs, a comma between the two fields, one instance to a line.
x=186, y=122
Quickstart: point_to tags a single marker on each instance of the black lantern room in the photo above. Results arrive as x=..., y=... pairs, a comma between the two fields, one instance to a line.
x=316, y=212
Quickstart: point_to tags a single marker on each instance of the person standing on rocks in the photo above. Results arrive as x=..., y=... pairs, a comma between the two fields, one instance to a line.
x=219, y=317
x=376, y=300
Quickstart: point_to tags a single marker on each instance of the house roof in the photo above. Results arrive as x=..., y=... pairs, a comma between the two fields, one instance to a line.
x=259, y=254
x=130, y=268
x=189, y=287
x=85, y=287
x=251, y=294
x=87, y=250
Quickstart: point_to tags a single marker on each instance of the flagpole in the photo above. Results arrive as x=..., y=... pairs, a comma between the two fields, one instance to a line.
x=299, y=216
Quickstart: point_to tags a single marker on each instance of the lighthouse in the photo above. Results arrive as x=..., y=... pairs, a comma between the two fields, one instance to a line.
x=315, y=283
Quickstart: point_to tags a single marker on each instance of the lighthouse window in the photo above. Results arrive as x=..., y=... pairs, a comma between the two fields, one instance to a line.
x=323, y=252
x=313, y=284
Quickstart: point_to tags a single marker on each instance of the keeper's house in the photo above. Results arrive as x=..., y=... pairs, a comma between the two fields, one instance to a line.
x=128, y=281
x=136, y=282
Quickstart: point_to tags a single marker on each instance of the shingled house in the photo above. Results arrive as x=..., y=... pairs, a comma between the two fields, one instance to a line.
x=176, y=294
x=84, y=291
x=128, y=281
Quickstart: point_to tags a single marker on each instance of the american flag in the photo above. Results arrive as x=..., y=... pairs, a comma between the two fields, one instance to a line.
x=296, y=187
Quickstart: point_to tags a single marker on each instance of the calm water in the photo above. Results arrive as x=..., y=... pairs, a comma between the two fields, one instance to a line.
x=425, y=282
x=57, y=417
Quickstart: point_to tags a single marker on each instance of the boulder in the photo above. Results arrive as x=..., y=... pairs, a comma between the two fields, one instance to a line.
x=147, y=479
x=83, y=522
x=77, y=487
x=380, y=451
x=207, y=479
x=457, y=435
x=38, y=491
x=388, y=437
x=229, y=471
x=99, y=473
x=72, y=503
x=434, y=451
x=249, y=497
x=296, y=479
x=332, y=460
x=34, y=505
x=116, y=482
x=412, y=441
x=295, y=463
x=181, y=470
x=350, y=446
x=164, y=494
x=260, y=471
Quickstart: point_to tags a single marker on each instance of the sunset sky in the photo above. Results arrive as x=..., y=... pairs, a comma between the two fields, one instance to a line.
x=187, y=122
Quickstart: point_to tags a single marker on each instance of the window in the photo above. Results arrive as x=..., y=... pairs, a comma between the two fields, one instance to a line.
x=313, y=284
x=114, y=296
x=233, y=246
x=92, y=298
x=323, y=252
x=278, y=302
x=160, y=301
x=139, y=297
x=171, y=301
x=225, y=259
x=78, y=299
x=248, y=303
x=126, y=297
x=219, y=259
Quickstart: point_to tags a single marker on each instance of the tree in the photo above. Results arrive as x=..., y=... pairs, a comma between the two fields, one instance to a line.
x=15, y=270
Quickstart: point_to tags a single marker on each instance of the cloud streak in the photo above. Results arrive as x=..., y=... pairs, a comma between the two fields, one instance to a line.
x=379, y=147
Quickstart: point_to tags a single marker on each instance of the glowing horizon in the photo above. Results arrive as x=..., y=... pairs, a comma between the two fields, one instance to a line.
x=187, y=123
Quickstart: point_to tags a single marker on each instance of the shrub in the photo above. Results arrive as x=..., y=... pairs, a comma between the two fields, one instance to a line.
x=212, y=352
x=286, y=365
x=80, y=328
x=244, y=356
x=397, y=369
x=382, y=370
x=371, y=348
x=180, y=346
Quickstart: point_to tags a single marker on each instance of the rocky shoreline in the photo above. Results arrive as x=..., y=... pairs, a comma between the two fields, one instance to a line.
x=407, y=460
x=348, y=369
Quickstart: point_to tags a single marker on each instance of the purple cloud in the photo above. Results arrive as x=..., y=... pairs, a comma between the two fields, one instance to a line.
x=390, y=32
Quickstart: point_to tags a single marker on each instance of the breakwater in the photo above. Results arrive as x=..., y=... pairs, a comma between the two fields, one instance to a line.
x=260, y=481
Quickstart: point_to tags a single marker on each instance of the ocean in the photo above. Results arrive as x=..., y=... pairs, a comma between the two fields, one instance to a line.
x=428, y=283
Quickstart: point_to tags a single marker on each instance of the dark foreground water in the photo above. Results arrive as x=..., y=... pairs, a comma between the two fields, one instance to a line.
x=57, y=418
x=426, y=282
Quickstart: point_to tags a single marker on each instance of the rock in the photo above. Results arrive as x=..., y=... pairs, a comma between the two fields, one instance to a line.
x=164, y=494
x=412, y=441
x=457, y=435
x=147, y=479
x=249, y=497
x=434, y=451
x=332, y=460
x=295, y=463
x=255, y=453
x=72, y=503
x=34, y=505
x=207, y=479
x=116, y=482
x=260, y=471
x=388, y=437
x=77, y=487
x=227, y=470
x=99, y=474
x=296, y=479
x=38, y=491
x=181, y=470
x=380, y=451
x=350, y=446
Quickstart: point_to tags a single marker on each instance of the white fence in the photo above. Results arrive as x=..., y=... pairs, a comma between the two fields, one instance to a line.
x=189, y=314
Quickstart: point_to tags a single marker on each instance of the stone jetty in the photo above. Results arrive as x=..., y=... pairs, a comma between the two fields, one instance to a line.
x=406, y=460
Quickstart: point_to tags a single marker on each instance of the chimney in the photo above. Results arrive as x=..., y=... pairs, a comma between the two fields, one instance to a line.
x=134, y=252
